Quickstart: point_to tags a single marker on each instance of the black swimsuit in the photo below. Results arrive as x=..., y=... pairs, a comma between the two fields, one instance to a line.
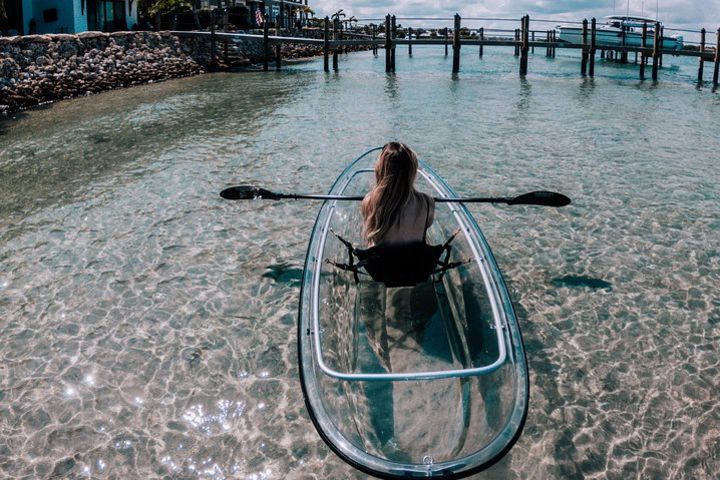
x=400, y=265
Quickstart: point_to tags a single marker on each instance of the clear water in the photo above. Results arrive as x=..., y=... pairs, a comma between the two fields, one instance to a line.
x=148, y=326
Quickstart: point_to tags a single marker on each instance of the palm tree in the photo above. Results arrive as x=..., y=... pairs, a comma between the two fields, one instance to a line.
x=337, y=15
x=307, y=11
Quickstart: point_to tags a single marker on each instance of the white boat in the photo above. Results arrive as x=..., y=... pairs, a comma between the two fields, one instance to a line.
x=618, y=31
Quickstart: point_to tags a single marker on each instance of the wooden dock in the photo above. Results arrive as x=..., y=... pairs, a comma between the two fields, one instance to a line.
x=524, y=40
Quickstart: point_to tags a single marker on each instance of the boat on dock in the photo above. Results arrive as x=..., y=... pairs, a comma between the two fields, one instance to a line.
x=619, y=31
x=419, y=380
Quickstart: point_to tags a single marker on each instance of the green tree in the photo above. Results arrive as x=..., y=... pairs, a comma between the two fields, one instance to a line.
x=154, y=7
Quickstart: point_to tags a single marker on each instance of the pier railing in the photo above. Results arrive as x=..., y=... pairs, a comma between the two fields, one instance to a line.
x=523, y=39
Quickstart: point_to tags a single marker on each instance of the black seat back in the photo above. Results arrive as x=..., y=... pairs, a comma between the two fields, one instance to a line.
x=400, y=265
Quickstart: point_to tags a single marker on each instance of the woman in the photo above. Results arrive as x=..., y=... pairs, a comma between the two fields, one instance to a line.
x=394, y=213
x=395, y=219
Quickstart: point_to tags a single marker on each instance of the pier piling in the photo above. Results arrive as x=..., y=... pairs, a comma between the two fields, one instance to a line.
x=387, y=43
x=446, y=41
x=623, y=53
x=326, y=45
x=482, y=38
x=593, y=38
x=392, y=44
x=583, y=62
x=717, y=59
x=701, y=63
x=656, y=51
x=409, y=41
x=524, y=45
x=456, y=44
x=643, y=44
x=547, y=46
x=517, y=41
x=335, y=50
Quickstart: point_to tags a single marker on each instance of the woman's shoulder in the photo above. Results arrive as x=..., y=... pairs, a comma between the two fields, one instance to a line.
x=425, y=198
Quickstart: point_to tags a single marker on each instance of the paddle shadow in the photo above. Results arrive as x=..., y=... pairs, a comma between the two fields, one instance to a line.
x=285, y=273
x=581, y=281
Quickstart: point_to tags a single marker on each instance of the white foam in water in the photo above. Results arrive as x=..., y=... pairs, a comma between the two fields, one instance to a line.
x=143, y=336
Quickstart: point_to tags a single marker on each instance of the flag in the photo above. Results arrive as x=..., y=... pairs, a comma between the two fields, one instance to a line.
x=259, y=18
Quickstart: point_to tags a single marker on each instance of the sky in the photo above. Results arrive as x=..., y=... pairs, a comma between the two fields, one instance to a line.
x=690, y=14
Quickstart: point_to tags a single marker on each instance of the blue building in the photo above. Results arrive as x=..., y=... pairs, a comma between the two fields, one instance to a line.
x=26, y=17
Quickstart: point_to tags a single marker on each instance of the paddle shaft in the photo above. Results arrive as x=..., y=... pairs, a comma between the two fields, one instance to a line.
x=285, y=196
x=473, y=200
x=250, y=192
x=299, y=196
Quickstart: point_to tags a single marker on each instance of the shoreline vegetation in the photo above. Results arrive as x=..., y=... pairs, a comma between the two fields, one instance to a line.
x=39, y=69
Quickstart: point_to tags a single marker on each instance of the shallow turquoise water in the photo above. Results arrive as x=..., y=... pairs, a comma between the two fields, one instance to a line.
x=149, y=327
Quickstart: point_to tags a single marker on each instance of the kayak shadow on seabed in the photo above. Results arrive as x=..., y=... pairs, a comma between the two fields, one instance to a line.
x=406, y=329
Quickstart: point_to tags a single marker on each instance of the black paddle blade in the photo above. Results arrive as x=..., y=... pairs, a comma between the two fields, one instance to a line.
x=547, y=199
x=248, y=192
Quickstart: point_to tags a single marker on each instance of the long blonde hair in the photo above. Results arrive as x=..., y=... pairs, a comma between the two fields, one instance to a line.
x=395, y=172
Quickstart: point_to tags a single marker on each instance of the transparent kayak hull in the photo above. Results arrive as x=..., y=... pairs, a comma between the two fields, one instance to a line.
x=423, y=381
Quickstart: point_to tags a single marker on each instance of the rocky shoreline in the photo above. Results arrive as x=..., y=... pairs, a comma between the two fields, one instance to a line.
x=38, y=69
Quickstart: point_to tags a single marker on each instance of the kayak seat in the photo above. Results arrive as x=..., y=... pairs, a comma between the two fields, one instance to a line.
x=403, y=265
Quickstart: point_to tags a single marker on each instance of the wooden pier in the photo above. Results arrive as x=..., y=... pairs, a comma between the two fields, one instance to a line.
x=524, y=40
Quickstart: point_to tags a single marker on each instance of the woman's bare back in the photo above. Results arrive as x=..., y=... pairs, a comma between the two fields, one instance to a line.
x=412, y=222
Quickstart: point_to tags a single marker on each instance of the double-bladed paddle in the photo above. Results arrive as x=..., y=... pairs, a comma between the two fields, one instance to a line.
x=250, y=192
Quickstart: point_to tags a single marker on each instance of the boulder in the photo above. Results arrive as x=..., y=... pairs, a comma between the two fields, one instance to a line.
x=91, y=35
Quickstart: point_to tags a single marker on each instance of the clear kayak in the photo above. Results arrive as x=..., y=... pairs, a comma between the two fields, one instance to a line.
x=422, y=381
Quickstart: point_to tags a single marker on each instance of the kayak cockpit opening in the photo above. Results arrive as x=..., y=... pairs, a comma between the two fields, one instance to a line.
x=403, y=265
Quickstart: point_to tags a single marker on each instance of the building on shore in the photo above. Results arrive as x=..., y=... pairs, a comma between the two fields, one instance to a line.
x=25, y=17
x=287, y=12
